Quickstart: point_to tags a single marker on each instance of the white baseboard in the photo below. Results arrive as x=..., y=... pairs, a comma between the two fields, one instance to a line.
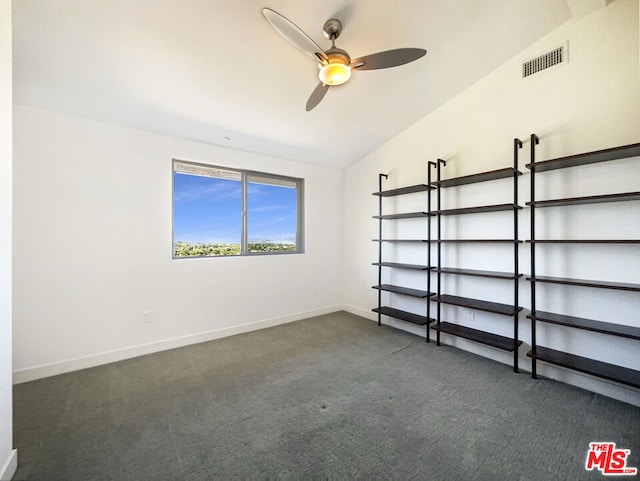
x=372, y=316
x=387, y=321
x=598, y=385
x=9, y=467
x=604, y=387
x=52, y=369
x=609, y=389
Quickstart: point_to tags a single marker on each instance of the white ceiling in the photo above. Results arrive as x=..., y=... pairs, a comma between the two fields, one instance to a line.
x=209, y=69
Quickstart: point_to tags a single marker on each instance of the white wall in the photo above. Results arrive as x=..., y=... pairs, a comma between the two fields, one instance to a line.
x=92, y=223
x=8, y=456
x=593, y=102
x=92, y=248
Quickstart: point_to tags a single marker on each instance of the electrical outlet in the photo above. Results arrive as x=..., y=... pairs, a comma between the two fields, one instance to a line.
x=147, y=317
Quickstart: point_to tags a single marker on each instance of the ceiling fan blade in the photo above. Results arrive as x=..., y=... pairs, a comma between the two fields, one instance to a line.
x=388, y=58
x=316, y=96
x=293, y=34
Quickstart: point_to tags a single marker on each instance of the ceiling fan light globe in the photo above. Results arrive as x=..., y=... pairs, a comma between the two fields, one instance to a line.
x=334, y=74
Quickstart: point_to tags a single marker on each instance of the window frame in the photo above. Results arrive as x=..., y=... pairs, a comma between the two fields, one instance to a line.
x=244, y=242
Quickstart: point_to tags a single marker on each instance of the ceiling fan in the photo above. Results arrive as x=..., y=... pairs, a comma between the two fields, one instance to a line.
x=335, y=64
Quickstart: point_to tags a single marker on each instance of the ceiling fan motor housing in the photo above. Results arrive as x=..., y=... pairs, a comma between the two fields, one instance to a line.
x=337, y=55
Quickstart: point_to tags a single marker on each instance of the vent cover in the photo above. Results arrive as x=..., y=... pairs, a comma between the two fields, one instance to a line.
x=544, y=61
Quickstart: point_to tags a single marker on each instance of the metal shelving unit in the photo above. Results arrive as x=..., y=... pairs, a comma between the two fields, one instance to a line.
x=620, y=374
x=505, y=343
x=382, y=310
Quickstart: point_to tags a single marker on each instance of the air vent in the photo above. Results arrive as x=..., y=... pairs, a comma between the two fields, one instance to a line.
x=544, y=61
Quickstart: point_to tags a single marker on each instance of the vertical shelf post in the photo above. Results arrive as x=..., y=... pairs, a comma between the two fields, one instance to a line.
x=380, y=177
x=517, y=144
x=534, y=141
x=429, y=267
x=439, y=225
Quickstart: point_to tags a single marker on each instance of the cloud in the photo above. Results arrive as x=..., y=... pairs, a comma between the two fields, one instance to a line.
x=268, y=208
x=187, y=190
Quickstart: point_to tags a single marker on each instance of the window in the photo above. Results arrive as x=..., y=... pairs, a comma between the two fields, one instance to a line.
x=219, y=211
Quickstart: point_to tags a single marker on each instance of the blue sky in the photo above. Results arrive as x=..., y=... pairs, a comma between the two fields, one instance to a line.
x=207, y=209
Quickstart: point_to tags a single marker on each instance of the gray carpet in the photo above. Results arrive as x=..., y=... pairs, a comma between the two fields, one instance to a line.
x=332, y=397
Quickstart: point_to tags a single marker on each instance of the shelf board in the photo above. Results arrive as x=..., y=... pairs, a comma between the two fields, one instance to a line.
x=402, y=290
x=587, y=324
x=495, y=307
x=494, y=340
x=479, y=177
x=592, y=199
x=584, y=241
x=478, y=273
x=510, y=241
x=403, y=315
x=406, y=215
x=478, y=209
x=403, y=190
x=612, y=372
x=631, y=150
x=399, y=240
x=400, y=265
x=621, y=286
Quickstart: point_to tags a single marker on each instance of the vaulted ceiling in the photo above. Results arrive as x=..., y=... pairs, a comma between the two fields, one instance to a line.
x=212, y=70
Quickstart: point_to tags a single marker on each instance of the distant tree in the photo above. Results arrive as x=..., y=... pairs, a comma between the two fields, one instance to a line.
x=270, y=247
x=187, y=249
